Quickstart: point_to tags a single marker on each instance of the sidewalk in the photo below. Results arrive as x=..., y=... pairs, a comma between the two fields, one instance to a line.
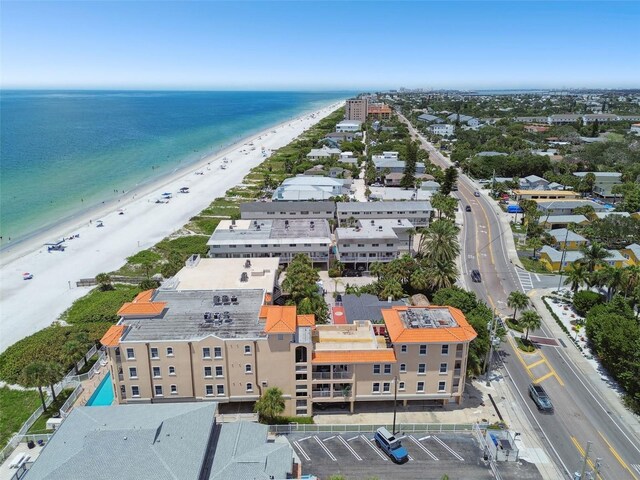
x=595, y=378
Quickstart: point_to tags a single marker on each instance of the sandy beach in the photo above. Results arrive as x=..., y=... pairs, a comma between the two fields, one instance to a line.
x=27, y=306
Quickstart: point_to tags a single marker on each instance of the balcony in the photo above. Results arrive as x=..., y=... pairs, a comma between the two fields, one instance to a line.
x=120, y=377
x=320, y=394
x=342, y=375
x=456, y=372
x=321, y=375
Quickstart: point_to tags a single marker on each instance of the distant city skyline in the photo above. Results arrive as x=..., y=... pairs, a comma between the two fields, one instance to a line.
x=319, y=45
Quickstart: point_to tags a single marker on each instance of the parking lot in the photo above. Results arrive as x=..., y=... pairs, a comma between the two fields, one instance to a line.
x=356, y=457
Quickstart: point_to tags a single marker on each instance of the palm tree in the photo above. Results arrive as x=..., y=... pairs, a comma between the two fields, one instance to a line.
x=612, y=278
x=631, y=279
x=443, y=274
x=419, y=279
x=390, y=287
x=517, y=300
x=377, y=269
x=53, y=373
x=593, y=256
x=104, y=280
x=270, y=405
x=577, y=276
x=440, y=242
x=535, y=244
x=73, y=351
x=530, y=320
x=34, y=375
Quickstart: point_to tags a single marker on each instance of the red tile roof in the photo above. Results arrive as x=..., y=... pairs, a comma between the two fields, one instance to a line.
x=280, y=319
x=399, y=333
x=142, y=305
x=112, y=336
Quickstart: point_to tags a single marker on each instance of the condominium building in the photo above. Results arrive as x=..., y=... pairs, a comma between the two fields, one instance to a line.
x=379, y=111
x=604, y=182
x=417, y=212
x=442, y=129
x=356, y=109
x=281, y=210
x=349, y=126
x=372, y=241
x=272, y=238
x=229, y=346
x=310, y=187
x=566, y=207
x=545, y=194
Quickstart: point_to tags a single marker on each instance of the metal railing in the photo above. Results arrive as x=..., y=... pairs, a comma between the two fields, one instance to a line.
x=320, y=394
x=68, y=405
x=370, y=428
x=321, y=375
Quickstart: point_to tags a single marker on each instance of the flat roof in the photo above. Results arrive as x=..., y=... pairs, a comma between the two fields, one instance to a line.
x=390, y=206
x=277, y=232
x=353, y=343
x=184, y=316
x=568, y=203
x=378, y=228
x=226, y=273
x=287, y=207
x=561, y=193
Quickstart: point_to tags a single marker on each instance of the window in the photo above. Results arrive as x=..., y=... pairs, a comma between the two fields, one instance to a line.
x=376, y=387
x=292, y=245
x=131, y=354
x=174, y=389
x=442, y=386
x=247, y=349
x=249, y=387
x=135, y=391
x=387, y=368
x=169, y=351
x=346, y=245
x=217, y=352
x=280, y=336
x=422, y=368
x=361, y=245
x=301, y=376
x=423, y=350
x=207, y=372
x=386, y=387
x=206, y=352
x=375, y=244
x=400, y=385
x=247, y=368
x=376, y=369
x=445, y=349
x=172, y=370
x=158, y=390
x=220, y=390
x=156, y=372
x=154, y=353
x=403, y=349
x=133, y=372
x=420, y=387
x=443, y=368
x=208, y=390
x=403, y=368
x=389, y=244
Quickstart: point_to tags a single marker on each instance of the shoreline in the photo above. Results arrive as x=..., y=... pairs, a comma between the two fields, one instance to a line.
x=29, y=306
x=67, y=225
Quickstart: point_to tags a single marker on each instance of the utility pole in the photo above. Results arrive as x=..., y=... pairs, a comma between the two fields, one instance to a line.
x=492, y=341
x=395, y=400
x=584, y=463
x=564, y=252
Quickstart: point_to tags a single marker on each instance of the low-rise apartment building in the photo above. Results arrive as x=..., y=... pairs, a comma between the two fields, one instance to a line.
x=280, y=210
x=545, y=194
x=379, y=111
x=228, y=346
x=418, y=213
x=605, y=181
x=373, y=241
x=442, y=129
x=310, y=187
x=565, y=238
x=272, y=238
x=566, y=207
x=389, y=162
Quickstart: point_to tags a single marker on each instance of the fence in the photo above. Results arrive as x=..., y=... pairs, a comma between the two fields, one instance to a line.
x=236, y=417
x=368, y=428
x=479, y=434
x=66, y=407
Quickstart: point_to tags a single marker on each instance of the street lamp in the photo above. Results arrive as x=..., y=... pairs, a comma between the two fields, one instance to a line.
x=493, y=341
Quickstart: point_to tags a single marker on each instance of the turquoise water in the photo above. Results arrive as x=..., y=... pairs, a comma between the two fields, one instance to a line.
x=103, y=396
x=66, y=151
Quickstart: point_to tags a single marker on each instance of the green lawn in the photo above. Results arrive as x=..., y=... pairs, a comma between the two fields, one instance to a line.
x=525, y=345
x=535, y=266
x=40, y=425
x=16, y=406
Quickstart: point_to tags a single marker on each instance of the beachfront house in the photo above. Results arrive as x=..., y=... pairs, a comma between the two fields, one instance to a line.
x=349, y=126
x=604, y=182
x=418, y=213
x=272, y=238
x=336, y=138
x=310, y=187
x=324, y=153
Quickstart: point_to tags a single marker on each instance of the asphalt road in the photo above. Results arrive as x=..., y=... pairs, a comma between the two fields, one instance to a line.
x=581, y=414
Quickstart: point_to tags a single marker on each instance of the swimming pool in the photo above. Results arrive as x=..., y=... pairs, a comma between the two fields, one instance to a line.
x=103, y=396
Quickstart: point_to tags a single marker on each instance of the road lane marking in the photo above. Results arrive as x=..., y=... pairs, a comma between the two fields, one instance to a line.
x=581, y=450
x=349, y=448
x=517, y=352
x=535, y=364
x=555, y=374
x=328, y=438
x=424, y=438
x=324, y=447
x=304, y=454
x=451, y=450
x=305, y=438
x=543, y=377
x=375, y=449
x=618, y=458
x=422, y=447
x=353, y=438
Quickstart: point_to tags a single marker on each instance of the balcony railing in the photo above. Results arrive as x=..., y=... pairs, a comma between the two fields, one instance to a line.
x=342, y=375
x=321, y=375
x=320, y=394
x=120, y=377
x=456, y=372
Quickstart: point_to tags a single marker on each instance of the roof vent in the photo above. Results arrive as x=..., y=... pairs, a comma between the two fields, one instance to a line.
x=373, y=222
x=244, y=277
x=380, y=228
x=247, y=264
x=216, y=300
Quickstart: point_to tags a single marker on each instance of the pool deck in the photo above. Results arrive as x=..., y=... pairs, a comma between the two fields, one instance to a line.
x=90, y=386
x=5, y=472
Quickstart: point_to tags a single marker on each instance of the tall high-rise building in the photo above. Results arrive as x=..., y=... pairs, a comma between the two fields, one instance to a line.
x=356, y=109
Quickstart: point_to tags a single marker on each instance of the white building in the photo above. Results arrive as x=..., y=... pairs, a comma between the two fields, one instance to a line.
x=417, y=212
x=323, y=153
x=348, y=126
x=309, y=187
x=445, y=129
x=604, y=182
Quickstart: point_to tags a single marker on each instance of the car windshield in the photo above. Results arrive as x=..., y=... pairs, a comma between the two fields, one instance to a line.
x=395, y=444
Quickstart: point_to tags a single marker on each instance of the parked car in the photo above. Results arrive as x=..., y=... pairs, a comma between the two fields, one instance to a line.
x=329, y=406
x=476, y=193
x=391, y=445
x=540, y=397
x=351, y=273
x=467, y=208
x=376, y=184
x=475, y=276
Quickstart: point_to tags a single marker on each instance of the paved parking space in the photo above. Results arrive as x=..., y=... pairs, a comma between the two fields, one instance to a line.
x=356, y=456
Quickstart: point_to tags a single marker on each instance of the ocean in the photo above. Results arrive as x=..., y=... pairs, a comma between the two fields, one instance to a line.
x=62, y=152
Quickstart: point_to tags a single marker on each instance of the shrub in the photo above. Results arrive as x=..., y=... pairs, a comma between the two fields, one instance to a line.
x=47, y=345
x=99, y=305
x=584, y=300
x=144, y=256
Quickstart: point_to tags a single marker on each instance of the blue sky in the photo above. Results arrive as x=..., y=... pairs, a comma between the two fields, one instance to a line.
x=319, y=45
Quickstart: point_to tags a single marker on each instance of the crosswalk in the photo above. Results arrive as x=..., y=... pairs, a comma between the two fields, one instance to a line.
x=524, y=277
x=636, y=467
